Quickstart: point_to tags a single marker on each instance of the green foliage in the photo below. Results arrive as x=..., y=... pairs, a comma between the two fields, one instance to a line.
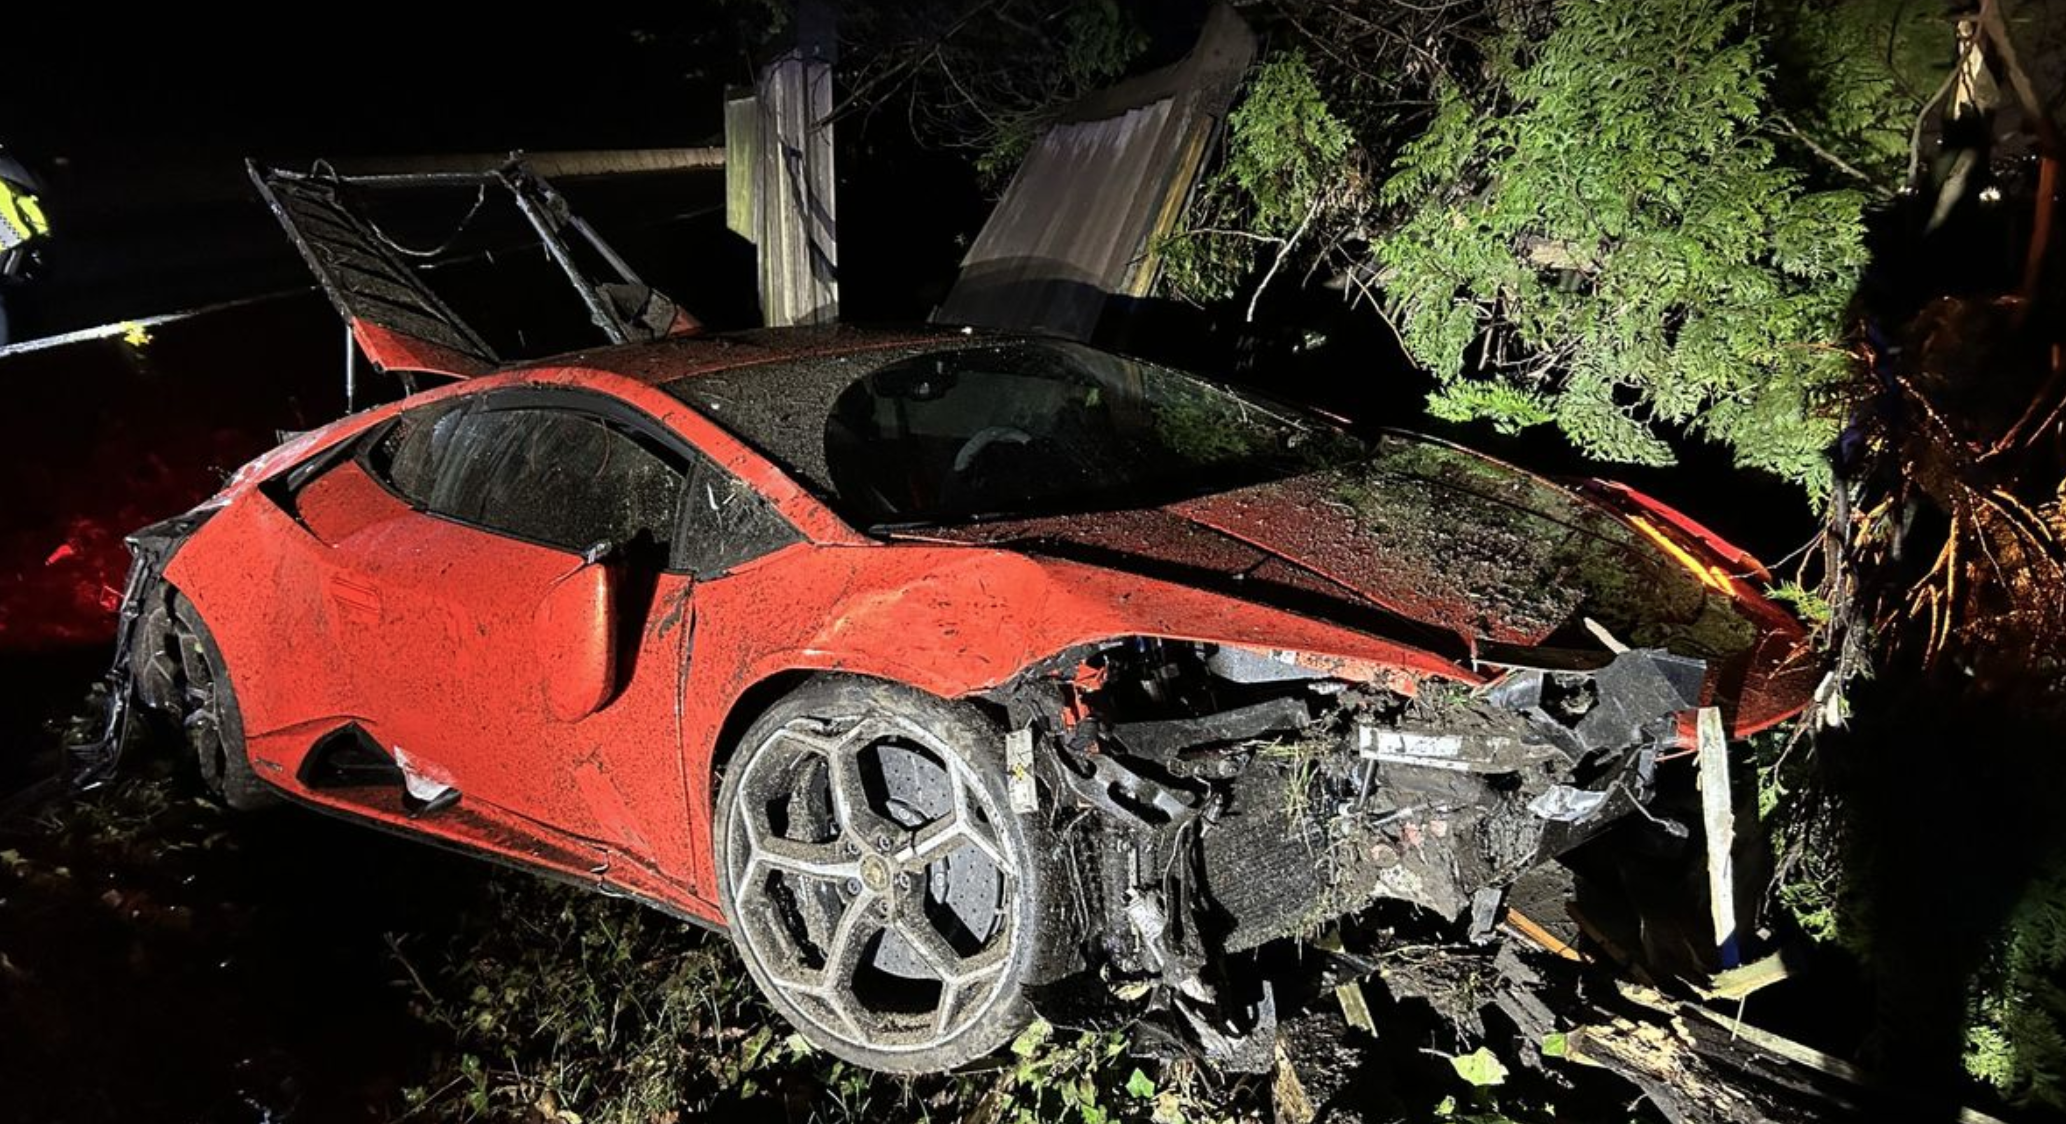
x=985, y=76
x=1284, y=147
x=1006, y=146
x=1286, y=160
x=1807, y=604
x=1854, y=73
x=1602, y=235
x=1509, y=408
x=1485, y=1106
x=1075, y=1076
x=2016, y=1031
x=1201, y=426
x=1811, y=881
x=1097, y=40
x=1480, y=1067
x=580, y=1009
x=1100, y=39
x=1811, y=901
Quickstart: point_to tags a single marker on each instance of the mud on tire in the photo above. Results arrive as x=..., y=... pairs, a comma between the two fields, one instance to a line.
x=878, y=886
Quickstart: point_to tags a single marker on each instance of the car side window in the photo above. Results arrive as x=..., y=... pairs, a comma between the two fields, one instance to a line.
x=725, y=522
x=561, y=478
x=407, y=455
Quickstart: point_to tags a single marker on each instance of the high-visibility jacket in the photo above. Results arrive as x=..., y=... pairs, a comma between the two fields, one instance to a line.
x=21, y=216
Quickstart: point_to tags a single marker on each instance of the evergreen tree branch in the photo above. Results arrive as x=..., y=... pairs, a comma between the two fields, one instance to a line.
x=1283, y=251
x=1831, y=158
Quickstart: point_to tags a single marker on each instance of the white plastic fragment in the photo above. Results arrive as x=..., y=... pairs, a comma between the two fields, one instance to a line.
x=420, y=779
x=1565, y=804
x=1018, y=771
x=1406, y=743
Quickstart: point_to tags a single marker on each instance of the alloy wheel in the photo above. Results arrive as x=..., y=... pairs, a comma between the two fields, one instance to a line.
x=870, y=882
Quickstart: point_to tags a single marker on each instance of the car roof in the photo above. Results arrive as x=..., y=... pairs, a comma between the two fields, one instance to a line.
x=665, y=360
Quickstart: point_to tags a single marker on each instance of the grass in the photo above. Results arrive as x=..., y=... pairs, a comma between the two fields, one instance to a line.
x=559, y=1005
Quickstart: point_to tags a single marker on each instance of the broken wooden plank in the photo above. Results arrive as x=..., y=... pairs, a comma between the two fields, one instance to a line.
x=1522, y=924
x=742, y=165
x=1355, y=1007
x=1657, y=1061
x=1718, y=816
x=1606, y=638
x=1736, y=983
x=1812, y=1058
x=780, y=186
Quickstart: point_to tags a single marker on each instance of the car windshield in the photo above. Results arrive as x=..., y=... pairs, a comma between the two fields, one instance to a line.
x=968, y=429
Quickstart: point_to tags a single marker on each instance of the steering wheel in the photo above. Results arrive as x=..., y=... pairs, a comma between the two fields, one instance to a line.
x=965, y=457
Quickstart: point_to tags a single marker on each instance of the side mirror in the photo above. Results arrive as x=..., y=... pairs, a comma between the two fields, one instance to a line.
x=577, y=639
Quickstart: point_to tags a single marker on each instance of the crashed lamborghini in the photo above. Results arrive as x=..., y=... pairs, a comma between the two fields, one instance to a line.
x=940, y=669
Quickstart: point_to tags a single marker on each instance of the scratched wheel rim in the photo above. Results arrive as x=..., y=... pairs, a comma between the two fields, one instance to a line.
x=871, y=885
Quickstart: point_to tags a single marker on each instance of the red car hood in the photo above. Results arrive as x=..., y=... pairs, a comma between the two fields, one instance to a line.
x=1434, y=545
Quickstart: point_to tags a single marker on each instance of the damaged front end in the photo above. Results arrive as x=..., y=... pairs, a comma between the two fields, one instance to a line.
x=1210, y=799
x=143, y=671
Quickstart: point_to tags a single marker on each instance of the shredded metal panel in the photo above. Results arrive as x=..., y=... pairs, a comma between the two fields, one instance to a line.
x=1079, y=221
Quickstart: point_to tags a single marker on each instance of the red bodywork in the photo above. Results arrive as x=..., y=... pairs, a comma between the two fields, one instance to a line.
x=491, y=663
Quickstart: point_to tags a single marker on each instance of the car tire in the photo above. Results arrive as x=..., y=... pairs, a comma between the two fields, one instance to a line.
x=878, y=886
x=209, y=717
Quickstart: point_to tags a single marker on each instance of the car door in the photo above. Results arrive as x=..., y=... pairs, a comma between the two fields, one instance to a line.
x=514, y=653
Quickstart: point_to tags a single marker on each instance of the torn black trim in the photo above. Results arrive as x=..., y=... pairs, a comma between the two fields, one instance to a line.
x=92, y=764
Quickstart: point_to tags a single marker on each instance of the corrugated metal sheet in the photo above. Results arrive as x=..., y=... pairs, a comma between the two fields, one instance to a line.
x=1077, y=224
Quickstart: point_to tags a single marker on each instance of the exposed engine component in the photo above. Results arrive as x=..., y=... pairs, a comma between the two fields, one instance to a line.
x=1220, y=798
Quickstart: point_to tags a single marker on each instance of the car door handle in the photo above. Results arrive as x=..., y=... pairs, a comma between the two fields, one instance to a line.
x=358, y=602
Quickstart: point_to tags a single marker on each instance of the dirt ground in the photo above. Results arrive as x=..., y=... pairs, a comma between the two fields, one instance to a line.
x=164, y=959
x=161, y=959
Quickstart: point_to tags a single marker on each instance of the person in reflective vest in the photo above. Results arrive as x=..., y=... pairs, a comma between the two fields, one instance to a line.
x=21, y=213
x=23, y=228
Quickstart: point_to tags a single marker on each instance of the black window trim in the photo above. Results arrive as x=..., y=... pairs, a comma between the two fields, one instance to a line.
x=602, y=407
x=363, y=445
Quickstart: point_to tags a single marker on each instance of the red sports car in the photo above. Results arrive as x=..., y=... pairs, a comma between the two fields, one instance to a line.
x=942, y=668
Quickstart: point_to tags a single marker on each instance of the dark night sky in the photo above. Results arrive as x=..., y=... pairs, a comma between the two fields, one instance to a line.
x=176, y=88
x=139, y=131
x=139, y=125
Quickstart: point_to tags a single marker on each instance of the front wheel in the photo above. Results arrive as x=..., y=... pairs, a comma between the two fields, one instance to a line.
x=879, y=889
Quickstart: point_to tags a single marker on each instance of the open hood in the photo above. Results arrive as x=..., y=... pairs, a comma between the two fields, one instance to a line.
x=395, y=318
